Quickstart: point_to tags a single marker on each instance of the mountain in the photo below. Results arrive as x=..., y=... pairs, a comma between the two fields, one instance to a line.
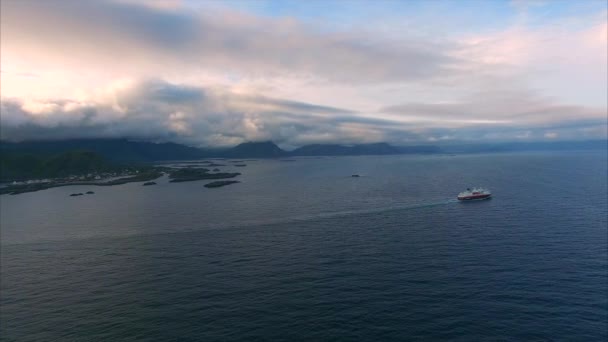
x=378, y=148
x=127, y=151
x=268, y=149
x=320, y=150
x=121, y=150
x=21, y=166
x=265, y=149
x=420, y=149
x=359, y=150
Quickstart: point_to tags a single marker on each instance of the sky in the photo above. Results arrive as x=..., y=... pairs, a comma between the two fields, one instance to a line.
x=218, y=73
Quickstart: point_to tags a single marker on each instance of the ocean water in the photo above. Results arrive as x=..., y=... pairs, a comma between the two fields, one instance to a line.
x=302, y=251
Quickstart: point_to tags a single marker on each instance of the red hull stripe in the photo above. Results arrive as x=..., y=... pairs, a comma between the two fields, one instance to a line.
x=474, y=197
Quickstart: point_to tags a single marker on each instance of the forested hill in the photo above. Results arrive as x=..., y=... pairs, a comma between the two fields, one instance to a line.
x=123, y=150
x=23, y=166
x=119, y=150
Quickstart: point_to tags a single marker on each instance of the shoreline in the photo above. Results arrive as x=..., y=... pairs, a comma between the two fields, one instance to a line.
x=21, y=189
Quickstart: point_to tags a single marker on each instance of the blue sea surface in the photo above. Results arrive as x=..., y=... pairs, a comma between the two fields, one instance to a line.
x=302, y=251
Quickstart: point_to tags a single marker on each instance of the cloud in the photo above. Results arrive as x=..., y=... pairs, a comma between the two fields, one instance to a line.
x=158, y=110
x=503, y=115
x=122, y=33
x=162, y=111
x=160, y=70
x=513, y=108
x=565, y=59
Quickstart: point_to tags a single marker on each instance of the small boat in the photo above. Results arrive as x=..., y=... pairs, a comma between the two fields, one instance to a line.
x=474, y=194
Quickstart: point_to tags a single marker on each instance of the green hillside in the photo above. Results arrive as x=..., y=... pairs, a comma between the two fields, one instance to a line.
x=21, y=166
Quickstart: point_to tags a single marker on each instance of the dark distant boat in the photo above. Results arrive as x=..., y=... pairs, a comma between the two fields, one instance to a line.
x=474, y=194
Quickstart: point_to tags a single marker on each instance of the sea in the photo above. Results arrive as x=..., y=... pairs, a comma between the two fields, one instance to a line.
x=300, y=250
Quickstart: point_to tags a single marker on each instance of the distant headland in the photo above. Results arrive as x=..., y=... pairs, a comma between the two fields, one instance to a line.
x=37, y=165
x=125, y=150
x=132, y=151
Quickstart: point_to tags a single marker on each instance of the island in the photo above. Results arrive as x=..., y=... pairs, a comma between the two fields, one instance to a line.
x=35, y=185
x=22, y=172
x=187, y=175
x=26, y=172
x=218, y=184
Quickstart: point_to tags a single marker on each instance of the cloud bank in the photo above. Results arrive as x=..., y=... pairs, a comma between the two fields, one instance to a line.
x=157, y=110
x=210, y=76
x=117, y=34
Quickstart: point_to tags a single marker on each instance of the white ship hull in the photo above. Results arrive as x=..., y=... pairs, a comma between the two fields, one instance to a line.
x=474, y=195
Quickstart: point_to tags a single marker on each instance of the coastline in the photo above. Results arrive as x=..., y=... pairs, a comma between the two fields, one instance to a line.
x=20, y=189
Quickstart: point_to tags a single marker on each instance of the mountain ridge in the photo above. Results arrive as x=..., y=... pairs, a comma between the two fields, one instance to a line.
x=134, y=151
x=125, y=150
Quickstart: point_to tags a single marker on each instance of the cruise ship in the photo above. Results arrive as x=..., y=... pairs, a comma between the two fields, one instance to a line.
x=474, y=194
